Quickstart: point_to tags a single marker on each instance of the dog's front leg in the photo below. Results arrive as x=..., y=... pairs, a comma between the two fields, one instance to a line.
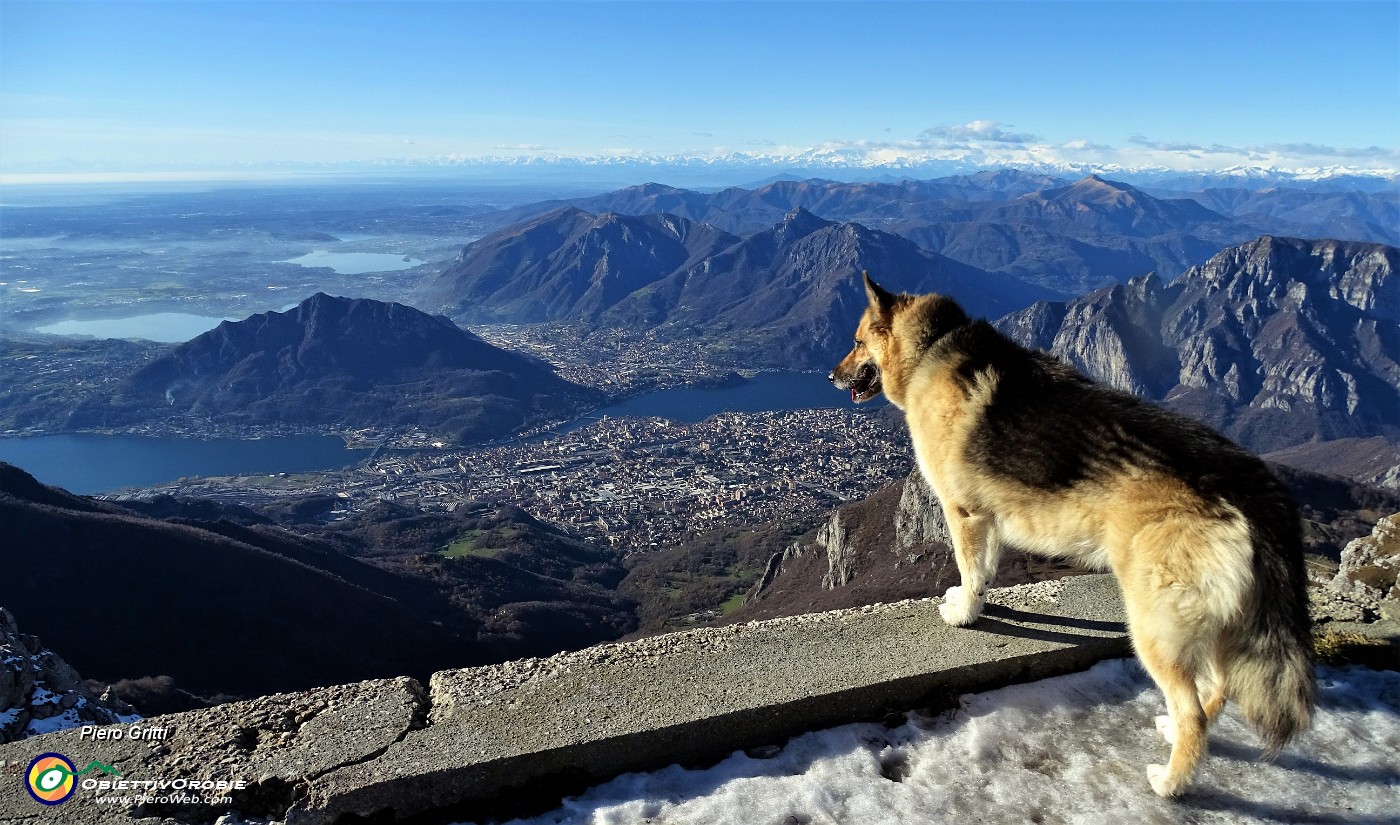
x=976, y=550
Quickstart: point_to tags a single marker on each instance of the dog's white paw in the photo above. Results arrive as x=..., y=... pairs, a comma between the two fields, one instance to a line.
x=1167, y=728
x=1157, y=776
x=959, y=609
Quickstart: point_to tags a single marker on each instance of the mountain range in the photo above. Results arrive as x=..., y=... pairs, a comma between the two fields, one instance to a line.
x=781, y=296
x=341, y=362
x=1279, y=342
x=1068, y=236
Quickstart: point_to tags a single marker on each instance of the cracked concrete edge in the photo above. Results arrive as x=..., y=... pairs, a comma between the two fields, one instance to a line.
x=275, y=744
x=294, y=749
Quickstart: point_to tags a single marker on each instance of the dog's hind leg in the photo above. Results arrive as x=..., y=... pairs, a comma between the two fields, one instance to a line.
x=976, y=549
x=1170, y=648
x=1210, y=691
x=1210, y=685
x=1187, y=726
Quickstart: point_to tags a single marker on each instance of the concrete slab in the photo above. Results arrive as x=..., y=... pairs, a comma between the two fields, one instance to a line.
x=534, y=729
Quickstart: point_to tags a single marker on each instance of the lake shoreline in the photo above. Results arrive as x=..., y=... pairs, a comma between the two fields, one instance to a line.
x=763, y=391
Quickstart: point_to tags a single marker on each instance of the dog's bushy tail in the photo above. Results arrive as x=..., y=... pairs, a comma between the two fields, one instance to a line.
x=1269, y=664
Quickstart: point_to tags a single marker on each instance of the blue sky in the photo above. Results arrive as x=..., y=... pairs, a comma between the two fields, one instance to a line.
x=126, y=86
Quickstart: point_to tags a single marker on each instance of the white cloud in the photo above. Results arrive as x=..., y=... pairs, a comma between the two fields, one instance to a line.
x=979, y=130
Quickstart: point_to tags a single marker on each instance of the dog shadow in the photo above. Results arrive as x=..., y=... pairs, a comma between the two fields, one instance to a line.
x=1252, y=809
x=1377, y=775
x=998, y=619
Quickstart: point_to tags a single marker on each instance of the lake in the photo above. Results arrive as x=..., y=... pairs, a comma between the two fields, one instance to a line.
x=356, y=263
x=88, y=463
x=164, y=327
x=767, y=391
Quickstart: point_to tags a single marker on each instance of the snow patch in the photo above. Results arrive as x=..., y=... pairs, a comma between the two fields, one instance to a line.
x=63, y=721
x=1072, y=749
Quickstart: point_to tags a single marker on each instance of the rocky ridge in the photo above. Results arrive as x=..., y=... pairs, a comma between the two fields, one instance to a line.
x=1277, y=342
x=40, y=693
x=892, y=545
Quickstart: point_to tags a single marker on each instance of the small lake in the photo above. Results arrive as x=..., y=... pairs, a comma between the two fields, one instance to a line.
x=356, y=263
x=89, y=463
x=164, y=327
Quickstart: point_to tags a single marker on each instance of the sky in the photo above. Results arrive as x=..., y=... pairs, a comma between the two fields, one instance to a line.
x=245, y=86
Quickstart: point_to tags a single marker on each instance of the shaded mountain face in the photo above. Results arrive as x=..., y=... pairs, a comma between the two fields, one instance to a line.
x=127, y=596
x=338, y=361
x=792, y=294
x=569, y=264
x=1276, y=342
x=789, y=295
x=250, y=609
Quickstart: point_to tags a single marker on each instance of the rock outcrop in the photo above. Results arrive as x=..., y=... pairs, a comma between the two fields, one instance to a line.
x=41, y=693
x=1371, y=564
x=1277, y=342
x=890, y=546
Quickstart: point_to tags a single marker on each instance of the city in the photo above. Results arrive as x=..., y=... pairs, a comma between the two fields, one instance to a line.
x=638, y=484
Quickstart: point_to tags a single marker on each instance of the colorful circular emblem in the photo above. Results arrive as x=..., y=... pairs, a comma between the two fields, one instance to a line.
x=50, y=778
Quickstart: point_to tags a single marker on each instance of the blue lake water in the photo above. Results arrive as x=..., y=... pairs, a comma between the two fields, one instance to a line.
x=165, y=327
x=356, y=263
x=767, y=391
x=88, y=463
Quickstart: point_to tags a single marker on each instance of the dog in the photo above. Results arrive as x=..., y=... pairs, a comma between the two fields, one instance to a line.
x=1022, y=450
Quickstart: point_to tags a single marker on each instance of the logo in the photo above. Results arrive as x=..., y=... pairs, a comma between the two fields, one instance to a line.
x=50, y=778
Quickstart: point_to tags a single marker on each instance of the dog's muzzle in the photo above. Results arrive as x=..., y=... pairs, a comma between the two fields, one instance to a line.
x=864, y=386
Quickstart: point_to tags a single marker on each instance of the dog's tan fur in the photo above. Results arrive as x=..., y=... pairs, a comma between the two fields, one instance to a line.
x=1185, y=558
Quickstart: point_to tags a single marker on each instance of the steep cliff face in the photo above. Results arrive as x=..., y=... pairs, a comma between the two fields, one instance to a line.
x=1111, y=334
x=1277, y=342
x=893, y=545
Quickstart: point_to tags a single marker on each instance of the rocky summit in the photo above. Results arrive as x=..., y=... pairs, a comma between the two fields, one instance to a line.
x=1276, y=342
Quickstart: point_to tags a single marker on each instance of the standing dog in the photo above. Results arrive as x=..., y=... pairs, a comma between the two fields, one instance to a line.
x=1023, y=450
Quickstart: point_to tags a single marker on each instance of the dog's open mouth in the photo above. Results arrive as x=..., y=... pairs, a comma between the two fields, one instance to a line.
x=866, y=384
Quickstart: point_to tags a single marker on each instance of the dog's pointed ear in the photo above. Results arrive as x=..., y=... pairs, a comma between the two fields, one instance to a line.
x=880, y=298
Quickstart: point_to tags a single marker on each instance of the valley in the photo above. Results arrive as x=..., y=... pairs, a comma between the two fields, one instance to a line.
x=587, y=415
